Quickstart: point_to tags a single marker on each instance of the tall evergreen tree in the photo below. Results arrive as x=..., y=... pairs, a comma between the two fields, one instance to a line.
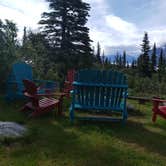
x=103, y=59
x=144, y=60
x=124, y=58
x=120, y=61
x=117, y=59
x=98, y=53
x=64, y=27
x=153, y=58
x=26, y=48
x=161, y=65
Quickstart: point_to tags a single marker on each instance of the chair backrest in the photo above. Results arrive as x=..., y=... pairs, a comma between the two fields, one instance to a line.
x=102, y=89
x=22, y=71
x=31, y=90
x=30, y=87
x=70, y=75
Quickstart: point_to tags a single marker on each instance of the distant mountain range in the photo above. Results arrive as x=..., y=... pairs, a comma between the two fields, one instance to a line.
x=130, y=58
x=158, y=50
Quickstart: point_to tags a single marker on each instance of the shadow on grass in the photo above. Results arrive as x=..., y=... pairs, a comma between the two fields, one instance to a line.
x=131, y=132
x=66, y=144
x=55, y=140
x=135, y=112
x=54, y=143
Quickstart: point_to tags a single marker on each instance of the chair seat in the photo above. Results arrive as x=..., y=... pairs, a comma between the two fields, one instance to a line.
x=44, y=103
x=162, y=111
x=86, y=107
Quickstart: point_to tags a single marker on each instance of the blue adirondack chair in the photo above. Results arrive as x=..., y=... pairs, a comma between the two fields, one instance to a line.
x=99, y=92
x=15, y=86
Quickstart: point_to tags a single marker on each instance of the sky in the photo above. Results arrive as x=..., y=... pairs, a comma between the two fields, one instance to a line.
x=117, y=24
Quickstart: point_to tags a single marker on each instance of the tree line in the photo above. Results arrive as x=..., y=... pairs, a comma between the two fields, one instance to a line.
x=63, y=43
x=147, y=63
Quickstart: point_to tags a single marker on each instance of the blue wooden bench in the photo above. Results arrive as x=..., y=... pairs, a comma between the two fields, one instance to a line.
x=100, y=92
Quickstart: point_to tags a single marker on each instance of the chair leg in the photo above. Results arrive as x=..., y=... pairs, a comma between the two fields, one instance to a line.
x=23, y=109
x=154, y=117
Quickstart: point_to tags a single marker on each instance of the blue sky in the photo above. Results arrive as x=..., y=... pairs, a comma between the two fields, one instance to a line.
x=117, y=24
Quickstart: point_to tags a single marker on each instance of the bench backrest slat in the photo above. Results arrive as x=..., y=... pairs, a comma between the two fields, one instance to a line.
x=101, y=89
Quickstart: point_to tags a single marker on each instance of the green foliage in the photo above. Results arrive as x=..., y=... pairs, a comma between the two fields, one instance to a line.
x=154, y=58
x=144, y=60
x=8, y=48
x=161, y=66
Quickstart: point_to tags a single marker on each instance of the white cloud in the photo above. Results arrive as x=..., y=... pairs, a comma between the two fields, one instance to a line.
x=112, y=31
x=23, y=13
x=157, y=35
x=120, y=25
x=115, y=33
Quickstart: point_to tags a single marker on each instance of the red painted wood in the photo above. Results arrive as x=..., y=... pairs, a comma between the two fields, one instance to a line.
x=68, y=82
x=37, y=105
x=158, y=109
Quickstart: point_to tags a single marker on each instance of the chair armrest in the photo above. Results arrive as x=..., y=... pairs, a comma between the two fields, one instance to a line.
x=45, y=95
x=40, y=95
x=61, y=94
x=159, y=100
x=68, y=81
x=71, y=92
x=156, y=104
x=44, y=81
x=14, y=82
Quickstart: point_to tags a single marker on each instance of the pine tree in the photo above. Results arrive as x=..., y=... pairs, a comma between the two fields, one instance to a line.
x=133, y=64
x=124, y=59
x=120, y=61
x=161, y=65
x=143, y=60
x=64, y=27
x=117, y=59
x=98, y=54
x=128, y=65
x=26, y=48
x=24, y=40
x=103, y=59
x=153, y=58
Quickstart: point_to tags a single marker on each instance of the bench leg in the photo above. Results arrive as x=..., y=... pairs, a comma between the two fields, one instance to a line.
x=71, y=112
x=124, y=114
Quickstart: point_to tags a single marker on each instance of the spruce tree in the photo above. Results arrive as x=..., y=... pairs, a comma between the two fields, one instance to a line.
x=64, y=27
x=133, y=64
x=98, y=53
x=103, y=59
x=161, y=65
x=153, y=58
x=124, y=59
x=117, y=59
x=144, y=60
x=120, y=61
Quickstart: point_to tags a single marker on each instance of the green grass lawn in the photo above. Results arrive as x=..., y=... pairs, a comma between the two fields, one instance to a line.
x=54, y=141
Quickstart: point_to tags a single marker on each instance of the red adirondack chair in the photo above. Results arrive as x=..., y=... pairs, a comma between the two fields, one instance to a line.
x=158, y=108
x=68, y=82
x=39, y=103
